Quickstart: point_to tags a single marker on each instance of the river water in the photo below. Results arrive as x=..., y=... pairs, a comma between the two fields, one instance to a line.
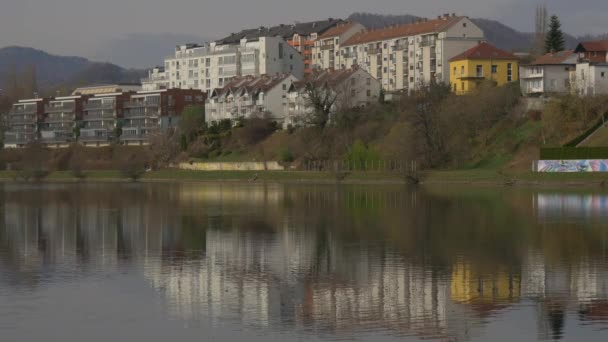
x=269, y=262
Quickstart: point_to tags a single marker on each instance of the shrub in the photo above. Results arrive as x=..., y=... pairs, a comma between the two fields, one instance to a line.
x=286, y=156
x=35, y=163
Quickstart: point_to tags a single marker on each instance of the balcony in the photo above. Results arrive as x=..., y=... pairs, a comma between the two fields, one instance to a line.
x=427, y=43
x=374, y=51
x=22, y=121
x=60, y=109
x=12, y=138
x=60, y=118
x=21, y=111
x=477, y=75
x=146, y=114
x=56, y=136
x=326, y=47
x=98, y=116
x=99, y=105
x=400, y=47
x=140, y=104
x=95, y=135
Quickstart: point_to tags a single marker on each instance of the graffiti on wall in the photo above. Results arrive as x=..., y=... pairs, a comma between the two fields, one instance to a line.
x=584, y=165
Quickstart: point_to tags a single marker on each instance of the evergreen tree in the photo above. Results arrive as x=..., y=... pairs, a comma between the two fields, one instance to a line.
x=554, y=41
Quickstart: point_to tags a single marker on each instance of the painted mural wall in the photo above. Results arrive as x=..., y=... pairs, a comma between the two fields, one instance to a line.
x=584, y=165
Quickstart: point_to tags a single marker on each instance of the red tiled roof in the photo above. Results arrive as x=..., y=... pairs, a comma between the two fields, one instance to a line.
x=553, y=58
x=484, y=51
x=338, y=30
x=428, y=26
x=596, y=45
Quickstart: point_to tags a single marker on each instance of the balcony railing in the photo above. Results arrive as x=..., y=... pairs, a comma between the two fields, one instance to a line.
x=476, y=75
x=327, y=47
x=11, y=138
x=59, y=109
x=21, y=111
x=427, y=43
x=400, y=46
x=98, y=116
x=22, y=121
x=60, y=118
x=140, y=104
x=374, y=51
x=147, y=114
x=98, y=105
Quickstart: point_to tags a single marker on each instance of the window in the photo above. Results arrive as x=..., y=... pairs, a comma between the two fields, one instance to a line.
x=369, y=93
x=385, y=70
x=281, y=52
x=509, y=72
x=290, y=56
x=462, y=85
x=454, y=71
x=208, y=84
x=353, y=81
x=208, y=62
x=462, y=70
x=369, y=81
x=464, y=24
x=353, y=93
x=284, y=86
x=455, y=87
x=479, y=71
x=494, y=69
x=603, y=74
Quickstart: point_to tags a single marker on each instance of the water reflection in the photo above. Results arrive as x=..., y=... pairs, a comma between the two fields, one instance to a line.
x=324, y=261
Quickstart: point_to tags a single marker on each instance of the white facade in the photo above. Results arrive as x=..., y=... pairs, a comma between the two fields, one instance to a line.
x=553, y=73
x=591, y=79
x=545, y=79
x=214, y=65
x=415, y=55
x=157, y=79
x=326, y=52
x=352, y=88
x=249, y=97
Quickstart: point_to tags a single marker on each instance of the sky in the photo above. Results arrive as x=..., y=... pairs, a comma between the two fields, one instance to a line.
x=80, y=27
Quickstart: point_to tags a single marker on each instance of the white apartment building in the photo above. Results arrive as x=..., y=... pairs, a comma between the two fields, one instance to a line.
x=215, y=65
x=326, y=52
x=549, y=74
x=351, y=88
x=591, y=78
x=250, y=96
x=157, y=79
x=406, y=57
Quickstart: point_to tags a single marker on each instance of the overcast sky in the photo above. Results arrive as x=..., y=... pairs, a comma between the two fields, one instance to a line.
x=78, y=27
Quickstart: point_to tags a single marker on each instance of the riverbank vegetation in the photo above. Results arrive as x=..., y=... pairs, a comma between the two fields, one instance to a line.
x=491, y=131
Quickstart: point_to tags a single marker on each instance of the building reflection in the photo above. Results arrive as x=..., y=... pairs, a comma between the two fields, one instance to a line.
x=285, y=257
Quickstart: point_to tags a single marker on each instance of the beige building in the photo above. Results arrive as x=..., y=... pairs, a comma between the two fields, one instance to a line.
x=247, y=97
x=326, y=52
x=408, y=56
x=351, y=88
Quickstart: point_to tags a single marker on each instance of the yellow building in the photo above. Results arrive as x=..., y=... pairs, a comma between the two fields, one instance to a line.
x=483, y=62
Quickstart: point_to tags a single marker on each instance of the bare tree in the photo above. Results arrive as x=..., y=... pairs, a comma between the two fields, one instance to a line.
x=321, y=98
x=541, y=23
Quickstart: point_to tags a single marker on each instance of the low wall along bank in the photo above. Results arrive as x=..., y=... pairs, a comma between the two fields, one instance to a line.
x=233, y=166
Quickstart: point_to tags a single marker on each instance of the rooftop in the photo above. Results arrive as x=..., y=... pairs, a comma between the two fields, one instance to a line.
x=561, y=57
x=338, y=30
x=420, y=27
x=484, y=51
x=284, y=31
x=252, y=84
x=590, y=46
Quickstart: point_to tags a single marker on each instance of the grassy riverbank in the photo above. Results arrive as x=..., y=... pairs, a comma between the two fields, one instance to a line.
x=472, y=177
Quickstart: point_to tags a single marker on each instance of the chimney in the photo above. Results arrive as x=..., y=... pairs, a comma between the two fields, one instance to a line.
x=454, y=15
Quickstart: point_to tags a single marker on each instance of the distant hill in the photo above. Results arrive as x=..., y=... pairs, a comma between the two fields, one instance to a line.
x=54, y=72
x=143, y=50
x=497, y=33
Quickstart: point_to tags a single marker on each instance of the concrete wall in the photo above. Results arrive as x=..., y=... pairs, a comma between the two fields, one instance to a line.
x=233, y=166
